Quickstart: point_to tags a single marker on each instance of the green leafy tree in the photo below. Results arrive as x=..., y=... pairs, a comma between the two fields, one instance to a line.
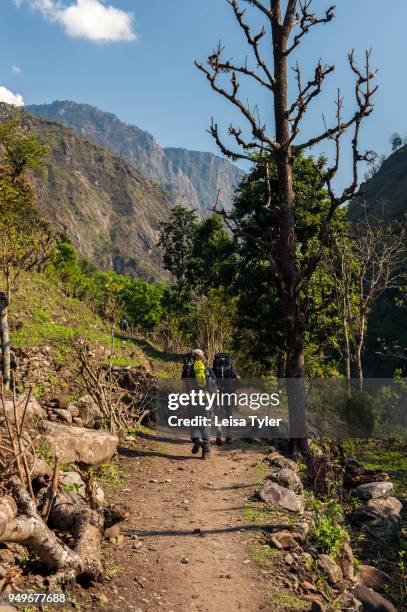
x=142, y=303
x=25, y=239
x=213, y=259
x=260, y=310
x=176, y=240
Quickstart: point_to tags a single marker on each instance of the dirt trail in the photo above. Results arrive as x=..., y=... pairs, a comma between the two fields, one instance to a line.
x=186, y=541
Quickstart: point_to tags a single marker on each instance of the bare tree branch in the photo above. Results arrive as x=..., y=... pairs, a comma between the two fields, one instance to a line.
x=307, y=20
x=253, y=41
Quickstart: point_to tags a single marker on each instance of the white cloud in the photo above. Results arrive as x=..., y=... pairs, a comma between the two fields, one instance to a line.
x=16, y=69
x=11, y=98
x=96, y=21
x=91, y=19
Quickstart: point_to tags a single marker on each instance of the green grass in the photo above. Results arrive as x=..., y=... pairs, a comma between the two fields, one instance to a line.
x=265, y=556
x=387, y=455
x=281, y=600
x=42, y=315
x=257, y=514
x=108, y=475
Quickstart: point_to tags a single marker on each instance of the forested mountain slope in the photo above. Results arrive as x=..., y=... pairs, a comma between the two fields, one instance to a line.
x=101, y=202
x=385, y=198
x=386, y=191
x=192, y=178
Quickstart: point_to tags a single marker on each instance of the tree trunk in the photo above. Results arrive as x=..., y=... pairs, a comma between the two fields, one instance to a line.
x=289, y=269
x=5, y=341
x=359, y=350
x=346, y=355
x=31, y=531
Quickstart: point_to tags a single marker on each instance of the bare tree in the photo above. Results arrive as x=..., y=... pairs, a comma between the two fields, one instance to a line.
x=371, y=263
x=271, y=47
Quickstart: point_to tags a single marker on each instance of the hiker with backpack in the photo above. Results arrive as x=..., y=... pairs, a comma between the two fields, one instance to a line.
x=227, y=380
x=124, y=326
x=197, y=375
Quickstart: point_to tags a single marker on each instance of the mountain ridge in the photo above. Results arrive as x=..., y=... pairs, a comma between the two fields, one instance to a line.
x=192, y=178
x=104, y=205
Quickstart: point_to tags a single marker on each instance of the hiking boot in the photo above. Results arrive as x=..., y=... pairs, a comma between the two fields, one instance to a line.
x=206, y=455
x=219, y=441
x=228, y=441
x=196, y=447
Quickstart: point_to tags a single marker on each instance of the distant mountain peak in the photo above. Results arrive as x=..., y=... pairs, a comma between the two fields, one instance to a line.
x=192, y=178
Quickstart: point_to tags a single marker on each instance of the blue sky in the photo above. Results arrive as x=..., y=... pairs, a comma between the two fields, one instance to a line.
x=137, y=61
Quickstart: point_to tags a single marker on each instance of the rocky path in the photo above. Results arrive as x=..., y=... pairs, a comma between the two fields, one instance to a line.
x=185, y=545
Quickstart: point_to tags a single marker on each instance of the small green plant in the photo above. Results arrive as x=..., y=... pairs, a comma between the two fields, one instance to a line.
x=327, y=532
x=43, y=451
x=255, y=514
x=72, y=487
x=282, y=600
x=108, y=475
x=265, y=556
x=112, y=570
x=66, y=466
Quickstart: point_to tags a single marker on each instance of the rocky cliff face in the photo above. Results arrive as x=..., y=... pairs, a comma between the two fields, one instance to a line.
x=192, y=178
x=105, y=206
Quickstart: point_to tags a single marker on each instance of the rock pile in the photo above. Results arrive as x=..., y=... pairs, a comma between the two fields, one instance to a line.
x=353, y=590
x=40, y=367
x=83, y=413
x=380, y=513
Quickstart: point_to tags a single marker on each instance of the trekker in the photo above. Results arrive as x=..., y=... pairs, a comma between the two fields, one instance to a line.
x=226, y=381
x=124, y=326
x=201, y=378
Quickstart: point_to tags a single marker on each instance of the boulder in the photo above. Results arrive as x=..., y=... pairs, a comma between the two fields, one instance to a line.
x=73, y=410
x=316, y=603
x=347, y=561
x=6, y=556
x=280, y=461
x=389, y=507
x=331, y=569
x=308, y=586
x=286, y=477
x=372, y=577
x=373, y=490
x=34, y=409
x=63, y=414
x=382, y=528
x=283, y=540
x=72, y=480
x=277, y=495
x=382, y=515
x=373, y=602
x=80, y=445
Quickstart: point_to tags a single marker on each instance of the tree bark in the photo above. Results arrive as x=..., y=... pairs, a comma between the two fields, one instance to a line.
x=289, y=268
x=30, y=530
x=359, y=350
x=5, y=341
x=8, y=511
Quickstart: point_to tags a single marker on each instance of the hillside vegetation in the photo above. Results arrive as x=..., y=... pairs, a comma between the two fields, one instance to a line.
x=192, y=178
x=102, y=203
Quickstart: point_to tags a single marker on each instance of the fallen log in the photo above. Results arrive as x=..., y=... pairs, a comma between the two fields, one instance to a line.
x=87, y=528
x=8, y=511
x=30, y=530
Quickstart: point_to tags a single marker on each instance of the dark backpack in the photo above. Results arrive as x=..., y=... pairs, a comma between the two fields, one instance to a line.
x=188, y=368
x=223, y=366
